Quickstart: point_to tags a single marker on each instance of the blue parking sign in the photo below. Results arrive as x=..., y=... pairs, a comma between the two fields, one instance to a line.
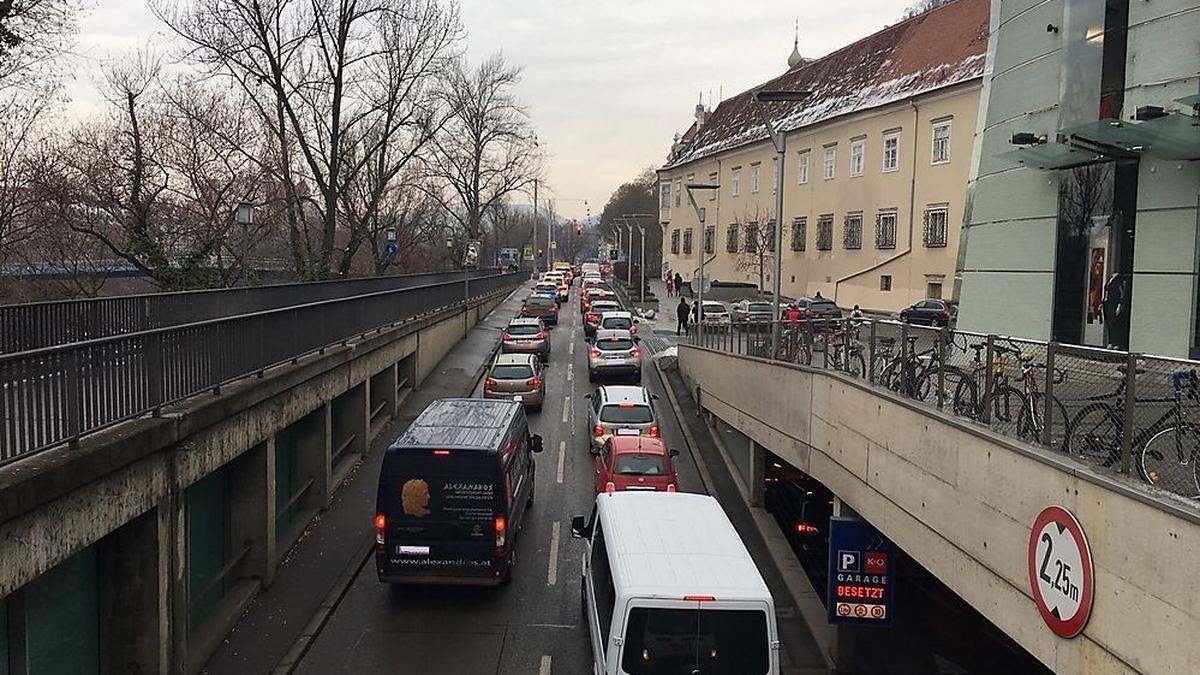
x=860, y=574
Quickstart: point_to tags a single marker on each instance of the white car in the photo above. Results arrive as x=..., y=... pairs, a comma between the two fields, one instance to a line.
x=715, y=315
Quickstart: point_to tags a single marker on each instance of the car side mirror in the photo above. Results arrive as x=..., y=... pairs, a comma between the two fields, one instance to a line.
x=536, y=442
x=588, y=396
x=579, y=528
x=673, y=452
x=595, y=452
x=653, y=397
x=637, y=320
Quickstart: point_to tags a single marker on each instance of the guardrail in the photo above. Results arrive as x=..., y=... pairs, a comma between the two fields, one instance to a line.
x=43, y=324
x=57, y=394
x=1131, y=413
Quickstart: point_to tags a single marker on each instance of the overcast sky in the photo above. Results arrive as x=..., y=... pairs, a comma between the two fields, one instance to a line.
x=607, y=84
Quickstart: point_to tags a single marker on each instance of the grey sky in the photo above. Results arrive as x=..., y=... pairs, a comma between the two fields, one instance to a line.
x=607, y=83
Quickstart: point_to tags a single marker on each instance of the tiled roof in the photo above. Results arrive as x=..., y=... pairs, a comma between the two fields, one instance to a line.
x=942, y=47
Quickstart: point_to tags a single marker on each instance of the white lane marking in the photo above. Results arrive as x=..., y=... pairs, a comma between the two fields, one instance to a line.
x=545, y=667
x=566, y=408
x=562, y=457
x=570, y=370
x=552, y=572
x=571, y=348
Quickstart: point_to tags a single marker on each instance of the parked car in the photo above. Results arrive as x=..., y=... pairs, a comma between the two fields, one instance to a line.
x=930, y=312
x=526, y=336
x=615, y=354
x=635, y=463
x=444, y=512
x=516, y=375
x=621, y=410
x=591, y=320
x=617, y=322
x=541, y=307
x=714, y=315
x=751, y=311
x=818, y=309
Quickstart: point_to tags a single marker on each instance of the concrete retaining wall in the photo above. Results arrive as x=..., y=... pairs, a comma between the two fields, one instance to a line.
x=961, y=501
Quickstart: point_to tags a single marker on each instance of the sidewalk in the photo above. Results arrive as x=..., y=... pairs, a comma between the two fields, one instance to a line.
x=334, y=542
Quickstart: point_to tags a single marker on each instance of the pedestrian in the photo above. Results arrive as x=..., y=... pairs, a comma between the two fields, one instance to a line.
x=670, y=285
x=678, y=285
x=818, y=296
x=682, y=311
x=856, y=313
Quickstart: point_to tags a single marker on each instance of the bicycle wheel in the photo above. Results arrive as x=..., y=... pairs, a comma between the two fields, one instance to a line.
x=1095, y=434
x=950, y=378
x=1006, y=403
x=966, y=398
x=857, y=365
x=1031, y=422
x=1168, y=460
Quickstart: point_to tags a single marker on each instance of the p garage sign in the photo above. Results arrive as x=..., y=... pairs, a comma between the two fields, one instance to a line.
x=1060, y=571
x=860, y=574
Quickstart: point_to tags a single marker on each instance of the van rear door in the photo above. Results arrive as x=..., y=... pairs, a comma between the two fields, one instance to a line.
x=703, y=636
x=443, y=508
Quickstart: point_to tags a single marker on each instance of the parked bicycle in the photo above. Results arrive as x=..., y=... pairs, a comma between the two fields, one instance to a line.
x=968, y=398
x=1031, y=423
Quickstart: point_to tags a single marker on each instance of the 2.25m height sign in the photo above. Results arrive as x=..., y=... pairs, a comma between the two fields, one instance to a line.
x=1060, y=571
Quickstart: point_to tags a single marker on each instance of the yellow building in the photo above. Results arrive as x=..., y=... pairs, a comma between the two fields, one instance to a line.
x=875, y=174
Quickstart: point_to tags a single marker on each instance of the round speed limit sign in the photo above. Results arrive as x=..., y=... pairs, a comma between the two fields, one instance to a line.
x=1060, y=571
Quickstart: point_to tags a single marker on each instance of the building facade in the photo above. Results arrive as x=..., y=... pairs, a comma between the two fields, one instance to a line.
x=1084, y=194
x=875, y=171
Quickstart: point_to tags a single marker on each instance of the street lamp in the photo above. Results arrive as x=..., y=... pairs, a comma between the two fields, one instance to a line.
x=700, y=248
x=642, y=236
x=779, y=140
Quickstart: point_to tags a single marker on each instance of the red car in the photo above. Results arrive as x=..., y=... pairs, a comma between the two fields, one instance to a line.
x=635, y=463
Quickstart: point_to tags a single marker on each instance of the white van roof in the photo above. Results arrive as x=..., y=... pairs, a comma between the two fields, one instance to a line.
x=672, y=544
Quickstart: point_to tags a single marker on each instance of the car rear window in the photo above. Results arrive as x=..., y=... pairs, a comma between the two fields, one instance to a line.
x=640, y=465
x=600, y=308
x=525, y=329
x=618, y=322
x=825, y=305
x=540, y=303
x=760, y=307
x=614, y=345
x=713, y=642
x=626, y=414
x=511, y=372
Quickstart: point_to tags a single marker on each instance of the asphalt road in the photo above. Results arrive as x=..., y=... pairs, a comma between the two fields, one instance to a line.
x=532, y=625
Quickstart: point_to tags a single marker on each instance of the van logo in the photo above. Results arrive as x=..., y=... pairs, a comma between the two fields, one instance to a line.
x=414, y=498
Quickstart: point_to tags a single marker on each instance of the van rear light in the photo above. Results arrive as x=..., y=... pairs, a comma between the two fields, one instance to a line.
x=505, y=336
x=671, y=487
x=699, y=598
x=539, y=336
x=635, y=352
x=610, y=487
x=442, y=453
x=625, y=405
x=534, y=382
x=500, y=527
x=380, y=528
x=654, y=432
x=597, y=430
x=489, y=383
x=805, y=528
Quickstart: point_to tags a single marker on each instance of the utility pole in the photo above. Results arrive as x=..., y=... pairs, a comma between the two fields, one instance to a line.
x=535, y=221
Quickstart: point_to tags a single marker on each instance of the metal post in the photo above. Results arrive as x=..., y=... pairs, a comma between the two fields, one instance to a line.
x=989, y=381
x=1127, y=424
x=905, y=366
x=871, y=355
x=1047, y=400
x=629, y=258
x=642, y=236
x=535, y=222
x=780, y=151
x=941, y=352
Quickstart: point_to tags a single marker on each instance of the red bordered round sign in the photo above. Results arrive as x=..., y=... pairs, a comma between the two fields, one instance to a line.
x=1060, y=571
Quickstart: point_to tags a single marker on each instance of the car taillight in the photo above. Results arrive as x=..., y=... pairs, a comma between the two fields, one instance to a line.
x=595, y=353
x=633, y=330
x=539, y=336
x=489, y=383
x=534, y=382
x=634, y=353
x=805, y=528
x=500, y=526
x=592, y=317
x=597, y=430
x=945, y=315
x=505, y=336
x=610, y=487
x=380, y=528
x=654, y=431
x=671, y=487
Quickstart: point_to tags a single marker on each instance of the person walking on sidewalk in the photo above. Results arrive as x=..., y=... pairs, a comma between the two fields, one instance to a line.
x=682, y=312
x=670, y=285
x=678, y=285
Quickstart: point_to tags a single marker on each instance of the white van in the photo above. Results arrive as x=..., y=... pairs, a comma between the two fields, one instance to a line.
x=668, y=587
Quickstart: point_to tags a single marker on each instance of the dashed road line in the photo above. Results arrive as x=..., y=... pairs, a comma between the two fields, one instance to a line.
x=571, y=347
x=552, y=572
x=566, y=408
x=545, y=667
x=562, y=458
x=570, y=370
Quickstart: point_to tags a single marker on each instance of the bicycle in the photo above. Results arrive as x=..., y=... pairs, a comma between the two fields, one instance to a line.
x=847, y=353
x=967, y=401
x=1031, y=424
x=910, y=374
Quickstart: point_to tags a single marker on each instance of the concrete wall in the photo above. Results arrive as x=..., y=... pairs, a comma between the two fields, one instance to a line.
x=961, y=501
x=58, y=502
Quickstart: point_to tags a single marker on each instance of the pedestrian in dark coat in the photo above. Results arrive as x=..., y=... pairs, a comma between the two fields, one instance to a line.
x=682, y=312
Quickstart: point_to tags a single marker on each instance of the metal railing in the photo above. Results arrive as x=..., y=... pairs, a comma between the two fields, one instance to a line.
x=56, y=394
x=44, y=324
x=1131, y=413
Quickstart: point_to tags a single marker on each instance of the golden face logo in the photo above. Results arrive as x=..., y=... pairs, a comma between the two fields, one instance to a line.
x=414, y=498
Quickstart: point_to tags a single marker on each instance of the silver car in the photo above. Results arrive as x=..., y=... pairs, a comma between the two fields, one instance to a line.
x=526, y=336
x=615, y=323
x=621, y=410
x=513, y=375
x=591, y=320
x=615, y=354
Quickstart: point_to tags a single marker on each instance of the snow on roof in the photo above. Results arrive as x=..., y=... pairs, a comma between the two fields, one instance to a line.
x=940, y=48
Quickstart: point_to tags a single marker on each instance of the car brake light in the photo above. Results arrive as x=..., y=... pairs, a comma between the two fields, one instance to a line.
x=442, y=453
x=500, y=526
x=380, y=528
x=633, y=330
x=539, y=336
x=610, y=487
x=595, y=353
x=534, y=382
x=489, y=383
x=597, y=430
x=945, y=315
x=671, y=487
x=654, y=431
x=625, y=405
x=699, y=598
x=634, y=352
x=592, y=316
x=805, y=528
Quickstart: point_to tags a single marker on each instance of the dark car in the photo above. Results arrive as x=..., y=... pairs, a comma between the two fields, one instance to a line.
x=930, y=312
x=818, y=309
x=541, y=307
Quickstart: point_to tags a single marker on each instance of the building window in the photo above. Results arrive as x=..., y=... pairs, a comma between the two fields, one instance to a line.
x=852, y=232
x=712, y=180
x=771, y=236
x=701, y=213
x=735, y=182
x=731, y=239
x=710, y=235
x=885, y=229
x=678, y=192
x=751, y=237
x=825, y=232
x=858, y=149
x=675, y=242
x=754, y=178
x=830, y=167
x=940, y=153
x=933, y=289
x=885, y=282
x=687, y=241
x=799, y=233
x=802, y=167
x=664, y=201
x=891, y=151
x=937, y=218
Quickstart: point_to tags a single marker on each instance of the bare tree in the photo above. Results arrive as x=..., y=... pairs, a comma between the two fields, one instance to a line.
x=485, y=152
x=756, y=249
x=33, y=33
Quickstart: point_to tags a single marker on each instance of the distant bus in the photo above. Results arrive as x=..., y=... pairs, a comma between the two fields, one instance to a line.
x=509, y=257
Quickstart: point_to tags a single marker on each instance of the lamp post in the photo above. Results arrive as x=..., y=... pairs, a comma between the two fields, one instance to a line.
x=779, y=140
x=642, y=236
x=700, y=248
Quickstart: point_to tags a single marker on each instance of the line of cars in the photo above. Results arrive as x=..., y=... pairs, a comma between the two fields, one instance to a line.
x=741, y=315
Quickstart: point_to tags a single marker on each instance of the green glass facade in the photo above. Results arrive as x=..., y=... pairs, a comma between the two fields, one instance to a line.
x=286, y=482
x=62, y=627
x=207, y=546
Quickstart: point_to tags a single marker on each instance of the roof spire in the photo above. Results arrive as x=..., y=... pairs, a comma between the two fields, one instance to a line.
x=795, y=59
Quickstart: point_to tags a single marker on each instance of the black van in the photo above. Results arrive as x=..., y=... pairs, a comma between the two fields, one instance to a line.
x=453, y=491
